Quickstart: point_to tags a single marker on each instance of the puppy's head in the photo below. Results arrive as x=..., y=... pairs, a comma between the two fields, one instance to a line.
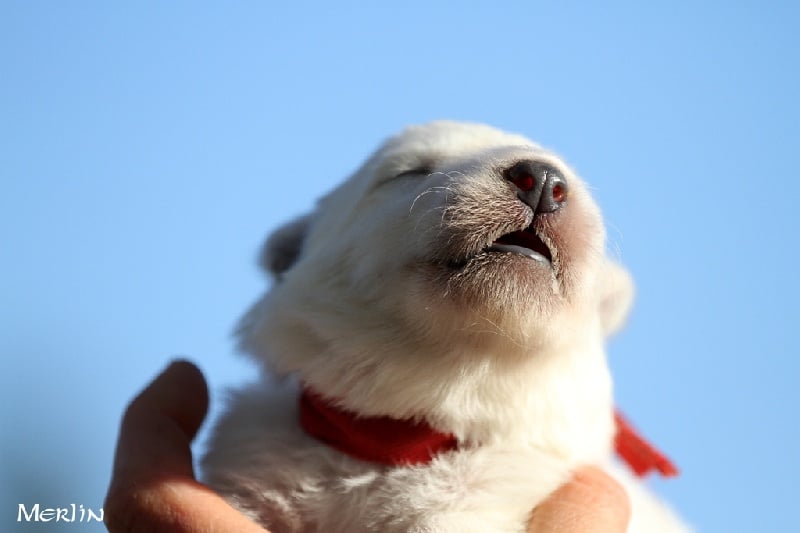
x=451, y=238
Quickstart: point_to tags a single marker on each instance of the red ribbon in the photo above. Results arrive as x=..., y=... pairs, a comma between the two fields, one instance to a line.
x=402, y=442
x=640, y=455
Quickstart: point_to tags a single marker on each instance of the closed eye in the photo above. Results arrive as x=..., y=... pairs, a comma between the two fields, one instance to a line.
x=419, y=171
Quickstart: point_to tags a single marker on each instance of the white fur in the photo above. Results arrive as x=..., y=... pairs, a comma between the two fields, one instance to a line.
x=387, y=301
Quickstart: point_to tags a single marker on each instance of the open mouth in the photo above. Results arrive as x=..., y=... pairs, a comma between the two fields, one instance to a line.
x=523, y=242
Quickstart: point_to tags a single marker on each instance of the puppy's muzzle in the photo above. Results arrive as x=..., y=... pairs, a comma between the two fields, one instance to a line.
x=540, y=186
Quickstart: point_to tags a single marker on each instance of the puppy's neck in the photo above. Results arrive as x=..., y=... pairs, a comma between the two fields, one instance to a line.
x=561, y=402
x=556, y=398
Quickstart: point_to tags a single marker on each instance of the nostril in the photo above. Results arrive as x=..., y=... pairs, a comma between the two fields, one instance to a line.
x=554, y=194
x=559, y=193
x=559, y=190
x=522, y=175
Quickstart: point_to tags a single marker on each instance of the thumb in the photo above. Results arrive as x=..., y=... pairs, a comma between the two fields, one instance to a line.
x=153, y=486
x=592, y=502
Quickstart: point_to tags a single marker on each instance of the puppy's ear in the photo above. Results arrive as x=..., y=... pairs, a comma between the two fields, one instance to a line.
x=283, y=248
x=616, y=297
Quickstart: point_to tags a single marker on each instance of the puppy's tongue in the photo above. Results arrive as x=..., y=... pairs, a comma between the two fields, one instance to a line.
x=524, y=243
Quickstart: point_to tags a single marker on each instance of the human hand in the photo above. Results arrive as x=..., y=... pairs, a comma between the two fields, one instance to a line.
x=153, y=487
x=592, y=502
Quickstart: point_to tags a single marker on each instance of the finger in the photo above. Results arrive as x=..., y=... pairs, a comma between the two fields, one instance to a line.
x=174, y=505
x=153, y=486
x=592, y=502
x=160, y=423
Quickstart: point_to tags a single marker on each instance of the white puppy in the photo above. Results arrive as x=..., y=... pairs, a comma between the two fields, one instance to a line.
x=442, y=316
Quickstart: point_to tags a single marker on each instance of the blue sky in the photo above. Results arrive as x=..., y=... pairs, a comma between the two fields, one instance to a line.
x=146, y=149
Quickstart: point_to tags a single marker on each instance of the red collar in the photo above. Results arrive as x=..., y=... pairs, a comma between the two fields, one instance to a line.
x=380, y=439
x=401, y=442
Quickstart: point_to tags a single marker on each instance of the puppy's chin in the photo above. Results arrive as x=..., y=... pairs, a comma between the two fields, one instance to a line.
x=499, y=283
x=492, y=298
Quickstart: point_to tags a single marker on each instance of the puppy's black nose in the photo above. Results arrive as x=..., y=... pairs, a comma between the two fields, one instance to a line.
x=539, y=185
